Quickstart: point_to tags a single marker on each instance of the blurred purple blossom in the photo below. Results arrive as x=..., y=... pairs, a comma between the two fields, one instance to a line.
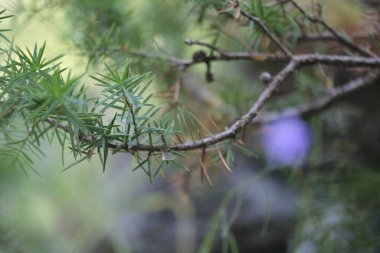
x=286, y=141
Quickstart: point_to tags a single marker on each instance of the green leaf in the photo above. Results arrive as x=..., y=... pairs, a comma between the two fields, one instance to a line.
x=141, y=164
x=105, y=152
x=74, y=163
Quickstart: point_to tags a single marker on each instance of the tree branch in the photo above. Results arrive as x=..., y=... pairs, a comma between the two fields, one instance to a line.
x=266, y=57
x=236, y=127
x=294, y=62
x=341, y=39
x=212, y=47
x=309, y=109
x=338, y=60
x=265, y=30
x=225, y=56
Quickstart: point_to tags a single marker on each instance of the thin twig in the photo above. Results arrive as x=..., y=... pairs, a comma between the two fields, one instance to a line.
x=266, y=30
x=316, y=37
x=326, y=36
x=337, y=60
x=304, y=58
x=225, y=56
x=309, y=109
x=199, y=43
x=341, y=39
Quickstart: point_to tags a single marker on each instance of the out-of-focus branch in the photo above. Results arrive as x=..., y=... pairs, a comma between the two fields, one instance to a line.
x=317, y=37
x=225, y=56
x=328, y=37
x=153, y=56
x=212, y=47
x=340, y=38
x=341, y=60
x=337, y=60
x=264, y=28
x=308, y=109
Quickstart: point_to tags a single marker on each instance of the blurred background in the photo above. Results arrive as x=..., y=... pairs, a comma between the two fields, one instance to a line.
x=296, y=186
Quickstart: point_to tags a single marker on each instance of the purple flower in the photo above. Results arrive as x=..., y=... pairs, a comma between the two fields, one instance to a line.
x=286, y=141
